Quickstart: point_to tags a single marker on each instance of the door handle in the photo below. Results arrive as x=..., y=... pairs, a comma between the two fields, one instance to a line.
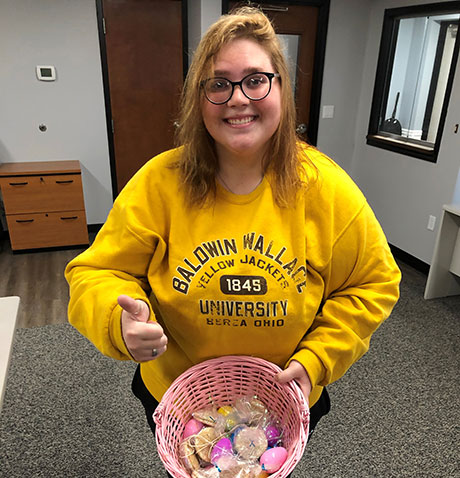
x=301, y=128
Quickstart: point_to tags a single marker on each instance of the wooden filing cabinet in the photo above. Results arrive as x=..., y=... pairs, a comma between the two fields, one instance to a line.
x=44, y=204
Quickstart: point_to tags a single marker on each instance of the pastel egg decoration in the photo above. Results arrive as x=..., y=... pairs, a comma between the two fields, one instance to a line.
x=231, y=421
x=222, y=448
x=273, y=459
x=273, y=435
x=225, y=410
x=192, y=427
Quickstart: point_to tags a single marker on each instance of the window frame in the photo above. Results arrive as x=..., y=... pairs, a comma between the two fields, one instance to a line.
x=392, y=142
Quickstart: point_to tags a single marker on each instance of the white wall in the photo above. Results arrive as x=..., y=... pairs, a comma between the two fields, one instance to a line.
x=62, y=33
x=403, y=190
x=343, y=67
x=201, y=14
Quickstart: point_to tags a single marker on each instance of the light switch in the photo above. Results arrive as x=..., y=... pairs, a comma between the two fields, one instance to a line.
x=328, y=111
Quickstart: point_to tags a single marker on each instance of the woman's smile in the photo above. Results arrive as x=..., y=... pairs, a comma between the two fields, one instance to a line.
x=241, y=120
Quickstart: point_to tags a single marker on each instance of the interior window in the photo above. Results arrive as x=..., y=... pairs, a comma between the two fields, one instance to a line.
x=417, y=60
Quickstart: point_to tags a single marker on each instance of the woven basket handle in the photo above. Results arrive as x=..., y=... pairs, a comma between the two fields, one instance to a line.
x=304, y=409
x=305, y=417
x=158, y=414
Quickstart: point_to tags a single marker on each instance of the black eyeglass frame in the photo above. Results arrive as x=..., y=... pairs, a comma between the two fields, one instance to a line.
x=269, y=75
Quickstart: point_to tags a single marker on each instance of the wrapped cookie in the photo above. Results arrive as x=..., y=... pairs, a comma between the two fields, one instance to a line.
x=208, y=472
x=242, y=469
x=208, y=416
x=252, y=411
x=187, y=455
x=250, y=443
x=204, y=442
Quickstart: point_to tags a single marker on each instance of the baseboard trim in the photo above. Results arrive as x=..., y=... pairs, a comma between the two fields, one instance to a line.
x=410, y=260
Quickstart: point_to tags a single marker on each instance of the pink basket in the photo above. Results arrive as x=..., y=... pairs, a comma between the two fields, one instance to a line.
x=223, y=380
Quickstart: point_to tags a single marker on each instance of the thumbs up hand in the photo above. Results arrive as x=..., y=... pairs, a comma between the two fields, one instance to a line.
x=145, y=340
x=297, y=372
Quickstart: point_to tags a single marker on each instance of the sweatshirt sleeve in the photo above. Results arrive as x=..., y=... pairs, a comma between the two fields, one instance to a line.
x=361, y=286
x=129, y=243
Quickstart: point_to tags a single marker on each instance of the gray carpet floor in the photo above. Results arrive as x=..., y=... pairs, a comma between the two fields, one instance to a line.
x=68, y=411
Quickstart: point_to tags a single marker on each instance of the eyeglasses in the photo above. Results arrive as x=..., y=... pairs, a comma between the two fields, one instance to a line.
x=255, y=86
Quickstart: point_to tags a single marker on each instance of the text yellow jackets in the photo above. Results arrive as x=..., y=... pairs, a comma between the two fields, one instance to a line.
x=242, y=276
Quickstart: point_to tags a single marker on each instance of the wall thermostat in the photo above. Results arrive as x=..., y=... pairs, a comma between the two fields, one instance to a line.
x=46, y=73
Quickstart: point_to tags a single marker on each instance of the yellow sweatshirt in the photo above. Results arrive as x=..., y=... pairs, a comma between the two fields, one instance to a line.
x=242, y=276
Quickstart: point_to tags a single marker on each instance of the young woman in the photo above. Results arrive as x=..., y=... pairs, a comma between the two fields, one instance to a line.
x=242, y=241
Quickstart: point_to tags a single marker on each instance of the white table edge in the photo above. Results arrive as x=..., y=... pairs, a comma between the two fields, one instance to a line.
x=9, y=307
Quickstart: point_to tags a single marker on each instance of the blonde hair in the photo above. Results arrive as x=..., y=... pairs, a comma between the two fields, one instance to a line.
x=199, y=163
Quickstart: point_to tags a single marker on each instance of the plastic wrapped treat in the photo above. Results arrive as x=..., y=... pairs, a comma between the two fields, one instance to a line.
x=252, y=411
x=208, y=416
x=238, y=440
x=188, y=456
x=233, y=467
x=250, y=443
x=207, y=472
x=204, y=442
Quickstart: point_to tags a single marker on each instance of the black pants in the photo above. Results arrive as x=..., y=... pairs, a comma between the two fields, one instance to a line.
x=319, y=409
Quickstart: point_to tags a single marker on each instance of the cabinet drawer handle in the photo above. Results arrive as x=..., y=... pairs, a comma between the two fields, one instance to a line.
x=19, y=184
x=24, y=220
x=65, y=182
x=69, y=217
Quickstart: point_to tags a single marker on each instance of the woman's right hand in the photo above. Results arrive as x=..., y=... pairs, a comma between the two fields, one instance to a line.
x=145, y=340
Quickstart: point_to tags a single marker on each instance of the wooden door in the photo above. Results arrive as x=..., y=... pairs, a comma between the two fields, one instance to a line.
x=144, y=54
x=301, y=27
